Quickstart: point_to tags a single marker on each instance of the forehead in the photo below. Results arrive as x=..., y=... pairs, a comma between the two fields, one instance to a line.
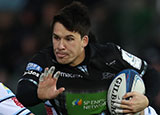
x=61, y=31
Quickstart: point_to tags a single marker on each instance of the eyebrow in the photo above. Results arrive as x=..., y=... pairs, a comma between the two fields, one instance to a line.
x=55, y=35
x=65, y=36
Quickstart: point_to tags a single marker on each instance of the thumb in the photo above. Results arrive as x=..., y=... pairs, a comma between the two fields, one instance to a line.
x=127, y=95
x=60, y=90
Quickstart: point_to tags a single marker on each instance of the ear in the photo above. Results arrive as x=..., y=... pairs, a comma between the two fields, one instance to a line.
x=85, y=41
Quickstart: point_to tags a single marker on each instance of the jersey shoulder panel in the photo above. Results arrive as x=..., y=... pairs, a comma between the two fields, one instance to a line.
x=108, y=47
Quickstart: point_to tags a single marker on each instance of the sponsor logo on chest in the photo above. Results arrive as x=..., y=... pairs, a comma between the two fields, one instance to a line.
x=70, y=75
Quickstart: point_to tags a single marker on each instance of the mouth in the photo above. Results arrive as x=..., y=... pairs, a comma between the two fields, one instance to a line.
x=61, y=55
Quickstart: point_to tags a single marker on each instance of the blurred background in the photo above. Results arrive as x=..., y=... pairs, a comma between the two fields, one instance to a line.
x=25, y=29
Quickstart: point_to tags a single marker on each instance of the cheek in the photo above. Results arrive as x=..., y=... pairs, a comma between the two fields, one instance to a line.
x=76, y=49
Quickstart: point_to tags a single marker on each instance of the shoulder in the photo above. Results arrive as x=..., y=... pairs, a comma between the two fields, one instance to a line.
x=104, y=49
x=100, y=54
x=104, y=46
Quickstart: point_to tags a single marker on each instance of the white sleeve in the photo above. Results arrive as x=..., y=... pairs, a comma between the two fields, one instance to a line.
x=150, y=111
x=9, y=105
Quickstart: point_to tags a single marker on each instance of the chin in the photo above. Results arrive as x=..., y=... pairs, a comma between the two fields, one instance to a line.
x=62, y=62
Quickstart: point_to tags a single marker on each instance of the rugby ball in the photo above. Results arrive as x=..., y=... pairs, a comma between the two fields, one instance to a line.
x=127, y=80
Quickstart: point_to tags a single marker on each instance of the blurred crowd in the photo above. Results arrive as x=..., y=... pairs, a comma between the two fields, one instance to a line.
x=25, y=28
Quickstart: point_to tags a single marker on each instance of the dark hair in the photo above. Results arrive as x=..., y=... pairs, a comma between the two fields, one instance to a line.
x=75, y=18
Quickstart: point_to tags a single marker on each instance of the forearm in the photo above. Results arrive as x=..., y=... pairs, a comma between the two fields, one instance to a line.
x=27, y=93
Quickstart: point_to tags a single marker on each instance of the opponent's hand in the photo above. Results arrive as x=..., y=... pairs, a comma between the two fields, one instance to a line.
x=137, y=102
x=47, y=84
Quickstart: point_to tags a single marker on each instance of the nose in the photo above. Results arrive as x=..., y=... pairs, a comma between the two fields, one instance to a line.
x=61, y=44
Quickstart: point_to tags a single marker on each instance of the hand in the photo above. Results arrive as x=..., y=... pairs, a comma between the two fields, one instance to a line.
x=137, y=102
x=47, y=84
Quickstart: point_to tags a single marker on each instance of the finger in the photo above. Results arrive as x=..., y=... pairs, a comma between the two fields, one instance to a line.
x=57, y=74
x=127, y=111
x=46, y=72
x=117, y=105
x=122, y=106
x=125, y=102
x=129, y=94
x=122, y=111
x=119, y=111
x=60, y=90
x=51, y=71
x=118, y=101
x=41, y=77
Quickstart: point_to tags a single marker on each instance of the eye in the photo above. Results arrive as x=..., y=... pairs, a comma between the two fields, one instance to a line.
x=55, y=37
x=69, y=38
